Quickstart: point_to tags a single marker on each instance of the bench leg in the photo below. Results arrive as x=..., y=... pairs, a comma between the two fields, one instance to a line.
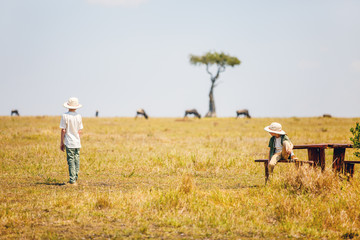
x=349, y=169
x=266, y=165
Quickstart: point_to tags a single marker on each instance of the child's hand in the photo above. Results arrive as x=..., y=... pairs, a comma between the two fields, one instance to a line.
x=62, y=147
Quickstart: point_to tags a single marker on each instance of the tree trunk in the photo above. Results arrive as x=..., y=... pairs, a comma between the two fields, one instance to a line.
x=212, y=111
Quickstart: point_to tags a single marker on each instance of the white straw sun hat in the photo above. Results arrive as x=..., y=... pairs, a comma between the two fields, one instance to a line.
x=72, y=103
x=275, y=128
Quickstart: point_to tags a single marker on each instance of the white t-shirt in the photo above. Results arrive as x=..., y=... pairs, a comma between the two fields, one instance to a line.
x=72, y=123
x=278, y=146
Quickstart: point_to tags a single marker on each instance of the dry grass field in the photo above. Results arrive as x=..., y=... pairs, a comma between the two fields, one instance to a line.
x=171, y=178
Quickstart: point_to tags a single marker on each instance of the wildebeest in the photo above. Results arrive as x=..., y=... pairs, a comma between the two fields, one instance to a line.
x=327, y=116
x=243, y=112
x=193, y=112
x=141, y=112
x=15, y=112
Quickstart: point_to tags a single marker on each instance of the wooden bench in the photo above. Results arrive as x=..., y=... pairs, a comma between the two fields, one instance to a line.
x=296, y=161
x=349, y=167
x=316, y=152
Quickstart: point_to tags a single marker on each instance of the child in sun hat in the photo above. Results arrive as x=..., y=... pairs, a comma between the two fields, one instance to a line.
x=279, y=144
x=71, y=125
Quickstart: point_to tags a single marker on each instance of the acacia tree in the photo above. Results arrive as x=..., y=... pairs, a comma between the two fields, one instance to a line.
x=221, y=60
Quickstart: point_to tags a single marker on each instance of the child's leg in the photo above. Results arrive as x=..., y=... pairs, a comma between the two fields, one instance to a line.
x=77, y=163
x=273, y=161
x=286, y=145
x=70, y=156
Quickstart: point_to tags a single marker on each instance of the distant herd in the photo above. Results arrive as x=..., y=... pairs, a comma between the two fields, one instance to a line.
x=194, y=112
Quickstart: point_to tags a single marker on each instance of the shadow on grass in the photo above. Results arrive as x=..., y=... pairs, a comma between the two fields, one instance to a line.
x=103, y=184
x=240, y=186
x=50, y=183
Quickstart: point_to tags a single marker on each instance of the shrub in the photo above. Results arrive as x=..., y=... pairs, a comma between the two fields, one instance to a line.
x=356, y=138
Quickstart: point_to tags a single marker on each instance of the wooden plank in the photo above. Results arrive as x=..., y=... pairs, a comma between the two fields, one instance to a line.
x=354, y=162
x=309, y=146
x=261, y=160
x=323, y=145
x=340, y=145
x=280, y=161
x=285, y=161
x=304, y=161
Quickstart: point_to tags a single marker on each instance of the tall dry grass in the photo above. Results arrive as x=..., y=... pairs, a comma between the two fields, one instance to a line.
x=172, y=179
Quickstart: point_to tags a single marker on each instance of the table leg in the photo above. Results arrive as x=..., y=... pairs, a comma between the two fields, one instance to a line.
x=313, y=156
x=322, y=158
x=318, y=156
x=338, y=159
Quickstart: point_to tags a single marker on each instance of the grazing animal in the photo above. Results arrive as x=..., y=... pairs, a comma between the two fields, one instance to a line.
x=327, y=116
x=141, y=112
x=15, y=112
x=244, y=112
x=193, y=112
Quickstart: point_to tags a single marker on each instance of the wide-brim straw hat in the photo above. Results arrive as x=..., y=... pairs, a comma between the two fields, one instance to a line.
x=275, y=128
x=72, y=103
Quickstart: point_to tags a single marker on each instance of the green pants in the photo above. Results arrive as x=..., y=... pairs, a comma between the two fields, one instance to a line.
x=73, y=159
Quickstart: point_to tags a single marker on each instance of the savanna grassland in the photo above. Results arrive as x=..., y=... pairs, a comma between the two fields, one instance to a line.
x=172, y=179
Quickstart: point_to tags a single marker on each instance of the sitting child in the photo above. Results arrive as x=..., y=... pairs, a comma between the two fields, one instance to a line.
x=280, y=145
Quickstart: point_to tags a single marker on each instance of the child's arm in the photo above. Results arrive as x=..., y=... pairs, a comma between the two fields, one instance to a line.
x=80, y=128
x=62, y=145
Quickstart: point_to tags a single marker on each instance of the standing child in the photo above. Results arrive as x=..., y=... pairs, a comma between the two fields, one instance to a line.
x=280, y=145
x=71, y=125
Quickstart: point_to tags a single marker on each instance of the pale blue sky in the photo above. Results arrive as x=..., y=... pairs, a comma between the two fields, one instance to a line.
x=299, y=58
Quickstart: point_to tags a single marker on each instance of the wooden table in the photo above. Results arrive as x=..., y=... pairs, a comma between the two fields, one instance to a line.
x=316, y=153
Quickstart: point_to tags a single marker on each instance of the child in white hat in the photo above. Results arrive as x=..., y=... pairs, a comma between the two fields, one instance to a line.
x=71, y=125
x=280, y=145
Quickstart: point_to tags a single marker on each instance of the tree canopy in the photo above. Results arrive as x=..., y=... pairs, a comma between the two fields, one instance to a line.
x=211, y=58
